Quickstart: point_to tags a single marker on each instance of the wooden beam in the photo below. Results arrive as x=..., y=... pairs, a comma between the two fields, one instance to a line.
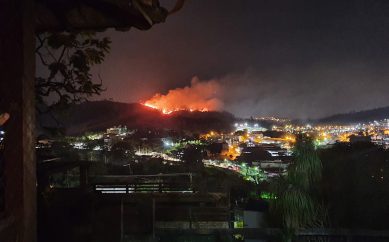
x=95, y=15
x=17, y=95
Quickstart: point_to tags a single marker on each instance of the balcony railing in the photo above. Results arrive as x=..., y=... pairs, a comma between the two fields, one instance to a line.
x=167, y=183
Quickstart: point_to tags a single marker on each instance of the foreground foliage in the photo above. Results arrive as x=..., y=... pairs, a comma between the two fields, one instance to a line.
x=355, y=186
x=296, y=206
x=65, y=62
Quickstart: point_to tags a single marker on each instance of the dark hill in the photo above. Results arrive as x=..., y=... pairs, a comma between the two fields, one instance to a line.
x=357, y=117
x=99, y=115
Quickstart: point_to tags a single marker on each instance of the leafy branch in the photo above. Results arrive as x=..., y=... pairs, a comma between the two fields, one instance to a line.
x=68, y=58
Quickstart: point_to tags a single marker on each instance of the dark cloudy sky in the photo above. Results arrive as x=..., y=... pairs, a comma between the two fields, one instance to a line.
x=289, y=58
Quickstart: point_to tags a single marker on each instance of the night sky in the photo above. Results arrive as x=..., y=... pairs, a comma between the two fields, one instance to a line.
x=291, y=58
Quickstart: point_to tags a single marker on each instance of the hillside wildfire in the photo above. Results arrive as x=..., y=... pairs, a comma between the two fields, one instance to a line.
x=199, y=96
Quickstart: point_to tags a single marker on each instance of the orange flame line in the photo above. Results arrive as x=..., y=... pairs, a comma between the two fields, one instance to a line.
x=166, y=111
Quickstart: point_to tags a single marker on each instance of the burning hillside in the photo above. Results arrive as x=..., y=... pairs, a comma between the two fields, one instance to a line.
x=199, y=96
x=86, y=117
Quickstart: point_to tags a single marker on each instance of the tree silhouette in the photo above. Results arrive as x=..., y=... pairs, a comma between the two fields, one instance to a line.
x=68, y=59
x=295, y=205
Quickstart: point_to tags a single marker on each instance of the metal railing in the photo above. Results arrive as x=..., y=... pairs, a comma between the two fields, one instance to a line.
x=142, y=188
x=162, y=183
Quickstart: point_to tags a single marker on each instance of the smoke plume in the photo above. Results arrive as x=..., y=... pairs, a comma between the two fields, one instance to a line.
x=199, y=96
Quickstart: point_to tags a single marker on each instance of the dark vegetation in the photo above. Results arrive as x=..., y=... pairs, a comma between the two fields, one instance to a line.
x=296, y=205
x=355, y=185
